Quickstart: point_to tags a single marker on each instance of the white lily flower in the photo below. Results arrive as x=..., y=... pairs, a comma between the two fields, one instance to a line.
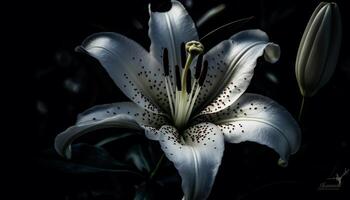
x=189, y=102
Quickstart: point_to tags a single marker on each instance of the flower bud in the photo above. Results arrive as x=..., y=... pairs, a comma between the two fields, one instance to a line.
x=319, y=49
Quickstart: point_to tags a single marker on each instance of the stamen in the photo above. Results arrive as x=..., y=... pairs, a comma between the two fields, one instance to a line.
x=198, y=66
x=178, y=78
x=188, y=82
x=170, y=95
x=166, y=62
x=183, y=55
x=167, y=81
x=203, y=73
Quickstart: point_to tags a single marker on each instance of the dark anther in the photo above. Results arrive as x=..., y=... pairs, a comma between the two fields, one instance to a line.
x=203, y=73
x=183, y=55
x=188, y=81
x=198, y=66
x=166, y=61
x=160, y=5
x=178, y=77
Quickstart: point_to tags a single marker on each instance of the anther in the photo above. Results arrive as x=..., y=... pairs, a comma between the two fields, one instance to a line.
x=166, y=61
x=183, y=55
x=203, y=73
x=178, y=77
x=198, y=66
x=188, y=82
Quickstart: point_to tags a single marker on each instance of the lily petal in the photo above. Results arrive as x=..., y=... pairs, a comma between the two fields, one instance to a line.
x=197, y=156
x=131, y=67
x=259, y=119
x=169, y=30
x=231, y=66
x=120, y=115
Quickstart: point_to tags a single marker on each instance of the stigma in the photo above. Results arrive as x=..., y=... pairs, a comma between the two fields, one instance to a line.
x=183, y=94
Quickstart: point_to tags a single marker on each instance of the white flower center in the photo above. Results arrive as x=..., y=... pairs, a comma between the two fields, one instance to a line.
x=187, y=86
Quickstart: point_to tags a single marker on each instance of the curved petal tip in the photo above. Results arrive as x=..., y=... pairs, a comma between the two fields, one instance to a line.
x=272, y=52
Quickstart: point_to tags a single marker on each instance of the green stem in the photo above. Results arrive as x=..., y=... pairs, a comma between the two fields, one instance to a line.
x=301, y=109
x=157, y=166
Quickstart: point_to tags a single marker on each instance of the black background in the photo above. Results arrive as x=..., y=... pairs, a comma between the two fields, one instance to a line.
x=63, y=83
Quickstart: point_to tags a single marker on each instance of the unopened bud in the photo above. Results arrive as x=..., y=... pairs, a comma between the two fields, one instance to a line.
x=319, y=49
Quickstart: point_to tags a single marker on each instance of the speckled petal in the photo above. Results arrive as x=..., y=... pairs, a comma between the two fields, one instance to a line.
x=197, y=155
x=231, y=67
x=131, y=67
x=169, y=30
x=258, y=119
x=119, y=115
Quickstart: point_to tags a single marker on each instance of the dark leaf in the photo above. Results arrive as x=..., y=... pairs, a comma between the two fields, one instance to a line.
x=140, y=156
x=87, y=159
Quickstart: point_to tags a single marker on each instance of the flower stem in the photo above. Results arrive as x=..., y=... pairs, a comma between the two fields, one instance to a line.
x=301, y=109
x=157, y=166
